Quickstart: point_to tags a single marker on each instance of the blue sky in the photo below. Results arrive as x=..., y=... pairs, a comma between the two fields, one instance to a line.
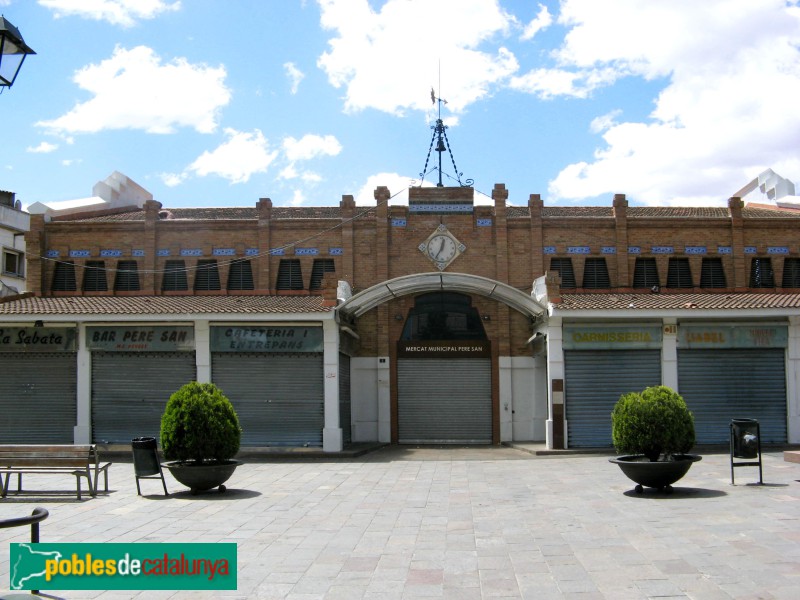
x=220, y=103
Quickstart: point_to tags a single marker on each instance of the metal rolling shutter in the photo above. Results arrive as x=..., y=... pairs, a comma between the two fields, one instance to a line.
x=279, y=397
x=130, y=391
x=38, y=409
x=719, y=385
x=594, y=381
x=345, y=418
x=445, y=401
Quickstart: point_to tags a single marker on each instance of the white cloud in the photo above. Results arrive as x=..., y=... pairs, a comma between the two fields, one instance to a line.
x=294, y=74
x=311, y=146
x=396, y=183
x=388, y=60
x=298, y=198
x=134, y=90
x=542, y=21
x=727, y=111
x=116, y=12
x=173, y=179
x=43, y=148
x=237, y=159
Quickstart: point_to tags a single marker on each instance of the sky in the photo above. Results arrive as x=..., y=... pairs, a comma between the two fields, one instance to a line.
x=222, y=102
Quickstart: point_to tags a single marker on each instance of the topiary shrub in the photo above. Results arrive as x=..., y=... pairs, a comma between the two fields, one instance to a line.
x=656, y=423
x=199, y=424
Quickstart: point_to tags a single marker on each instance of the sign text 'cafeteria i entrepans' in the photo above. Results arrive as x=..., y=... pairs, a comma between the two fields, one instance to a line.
x=266, y=338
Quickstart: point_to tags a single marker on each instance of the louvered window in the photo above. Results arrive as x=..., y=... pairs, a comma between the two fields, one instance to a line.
x=712, y=274
x=761, y=275
x=175, y=279
x=64, y=277
x=127, y=279
x=321, y=266
x=564, y=268
x=645, y=273
x=94, y=276
x=595, y=274
x=791, y=273
x=290, y=276
x=679, y=274
x=240, y=275
x=206, y=278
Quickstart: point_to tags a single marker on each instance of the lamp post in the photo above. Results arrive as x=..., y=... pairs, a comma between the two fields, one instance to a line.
x=13, y=51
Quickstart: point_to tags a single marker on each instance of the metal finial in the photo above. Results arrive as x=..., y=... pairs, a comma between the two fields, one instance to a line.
x=442, y=145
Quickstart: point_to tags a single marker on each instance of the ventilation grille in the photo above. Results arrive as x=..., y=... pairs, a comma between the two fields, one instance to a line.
x=712, y=274
x=564, y=268
x=290, y=275
x=679, y=274
x=127, y=279
x=321, y=266
x=207, y=276
x=64, y=277
x=94, y=276
x=645, y=273
x=240, y=275
x=595, y=274
x=175, y=279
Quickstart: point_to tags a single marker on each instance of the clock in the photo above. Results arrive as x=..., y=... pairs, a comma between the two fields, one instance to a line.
x=442, y=247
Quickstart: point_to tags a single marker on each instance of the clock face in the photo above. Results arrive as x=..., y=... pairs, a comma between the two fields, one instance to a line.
x=441, y=248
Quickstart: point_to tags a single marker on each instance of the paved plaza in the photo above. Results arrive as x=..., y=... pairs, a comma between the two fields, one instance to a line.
x=458, y=523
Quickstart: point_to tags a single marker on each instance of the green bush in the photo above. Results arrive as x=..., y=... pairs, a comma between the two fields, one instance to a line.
x=199, y=423
x=655, y=422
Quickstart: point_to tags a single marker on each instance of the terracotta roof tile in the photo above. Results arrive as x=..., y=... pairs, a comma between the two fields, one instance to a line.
x=671, y=301
x=162, y=305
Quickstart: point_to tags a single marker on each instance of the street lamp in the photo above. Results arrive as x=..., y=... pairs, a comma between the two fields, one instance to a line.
x=13, y=51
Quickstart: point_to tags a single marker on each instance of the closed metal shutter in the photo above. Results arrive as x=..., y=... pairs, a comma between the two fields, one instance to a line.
x=594, y=381
x=38, y=398
x=130, y=391
x=444, y=401
x=279, y=397
x=345, y=419
x=720, y=385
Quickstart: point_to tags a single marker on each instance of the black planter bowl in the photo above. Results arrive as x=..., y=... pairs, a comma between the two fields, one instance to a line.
x=202, y=477
x=660, y=475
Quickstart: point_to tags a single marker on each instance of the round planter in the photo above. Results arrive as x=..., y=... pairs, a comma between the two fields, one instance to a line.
x=206, y=476
x=660, y=474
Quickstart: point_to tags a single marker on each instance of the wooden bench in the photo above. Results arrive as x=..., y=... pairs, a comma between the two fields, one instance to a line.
x=78, y=460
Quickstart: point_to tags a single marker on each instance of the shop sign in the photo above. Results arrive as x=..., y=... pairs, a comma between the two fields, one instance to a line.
x=447, y=349
x=733, y=336
x=266, y=338
x=143, y=338
x=611, y=338
x=38, y=339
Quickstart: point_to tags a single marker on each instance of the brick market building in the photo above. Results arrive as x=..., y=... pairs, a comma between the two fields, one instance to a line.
x=440, y=321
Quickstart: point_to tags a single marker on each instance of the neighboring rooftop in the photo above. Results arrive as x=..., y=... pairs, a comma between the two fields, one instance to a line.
x=672, y=301
x=162, y=305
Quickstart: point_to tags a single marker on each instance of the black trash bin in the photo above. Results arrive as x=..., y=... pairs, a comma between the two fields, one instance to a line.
x=146, y=464
x=746, y=444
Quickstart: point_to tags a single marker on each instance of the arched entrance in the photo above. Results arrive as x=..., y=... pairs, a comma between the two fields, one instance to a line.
x=444, y=373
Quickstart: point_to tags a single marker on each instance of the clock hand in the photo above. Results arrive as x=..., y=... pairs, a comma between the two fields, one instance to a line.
x=441, y=247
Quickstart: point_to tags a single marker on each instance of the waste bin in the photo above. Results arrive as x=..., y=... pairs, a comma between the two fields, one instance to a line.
x=746, y=443
x=745, y=438
x=145, y=456
x=145, y=461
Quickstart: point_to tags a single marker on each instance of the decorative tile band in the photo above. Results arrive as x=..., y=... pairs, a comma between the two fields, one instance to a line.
x=440, y=208
x=278, y=251
x=79, y=253
x=549, y=249
x=398, y=222
x=306, y=251
x=191, y=252
x=724, y=250
x=484, y=222
x=53, y=253
x=110, y=253
x=750, y=250
x=251, y=252
x=224, y=251
x=608, y=250
x=137, y=252
x=634, y=250
x=336, y=251
x=163, y=252
x=662, y=250
x=695, y=250
x=778, y=250
x=578, y=250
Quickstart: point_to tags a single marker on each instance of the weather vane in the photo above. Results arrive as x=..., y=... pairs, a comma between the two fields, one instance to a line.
x=442, y=145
